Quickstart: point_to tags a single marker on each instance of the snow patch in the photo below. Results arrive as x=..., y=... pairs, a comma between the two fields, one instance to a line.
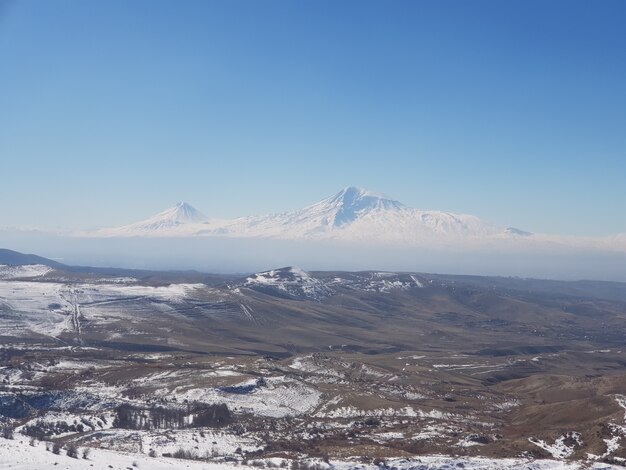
x=562, y=447
x=27, y=271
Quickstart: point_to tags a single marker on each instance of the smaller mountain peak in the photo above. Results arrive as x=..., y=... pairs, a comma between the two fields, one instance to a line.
x=185, y=213
x=181, y=213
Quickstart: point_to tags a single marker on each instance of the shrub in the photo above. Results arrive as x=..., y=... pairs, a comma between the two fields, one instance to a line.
x=372, y=422
x=8, y=433
x=56, y=448
x=212, y=416
x=72, y=451
x=184, y=454
x=86, y=453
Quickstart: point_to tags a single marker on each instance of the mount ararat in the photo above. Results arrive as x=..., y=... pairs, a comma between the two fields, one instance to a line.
x=351, y=214
x=356, y=215
x=354, y=229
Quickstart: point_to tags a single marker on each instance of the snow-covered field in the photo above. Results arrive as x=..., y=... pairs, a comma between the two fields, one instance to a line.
x=23, y=271
x=18, y=454
x=51, y=308
x=278, y=397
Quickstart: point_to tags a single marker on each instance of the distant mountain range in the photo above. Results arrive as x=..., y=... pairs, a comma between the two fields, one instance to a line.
x=15, y=258
x=351, y=214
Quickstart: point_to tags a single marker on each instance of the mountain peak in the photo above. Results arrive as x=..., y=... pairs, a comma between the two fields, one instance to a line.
x=352, y=202
x=182, y=213
x=357, y=192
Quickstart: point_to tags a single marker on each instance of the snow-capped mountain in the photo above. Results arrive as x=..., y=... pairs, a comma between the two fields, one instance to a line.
x=357, y=214
x=346, y=207
x=182, y=214
x=351, y=214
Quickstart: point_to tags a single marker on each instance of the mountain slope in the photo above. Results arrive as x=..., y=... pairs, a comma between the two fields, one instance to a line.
x=15, y=258
x=395, y=363
x=290, y=282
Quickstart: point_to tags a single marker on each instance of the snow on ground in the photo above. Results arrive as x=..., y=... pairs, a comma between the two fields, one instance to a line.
x=304, y=364
x=380, y=282
x=506, y=405
x=161, y=380
x=437, y=462
x=418, y=283
x=51, y=308
x=117, y=280
x=25, y=271
x=315, y=365
x=409, y=395
x=430, y=431
x=40, y=306
x=560, y=449
x=224, y=373
x=383, y=437
x=331, y=371
x=468, y=441
x=278, y=397
x=209, y=443
x=353, y=412
x=271, y=396
x=97, y=293
x=309, y=365
x=65, y=424
x=618, y=430
x=454, y=367
x=436, y=414
x=621, y=401
x=19, y=455
x=612, y=445
x=292, y=281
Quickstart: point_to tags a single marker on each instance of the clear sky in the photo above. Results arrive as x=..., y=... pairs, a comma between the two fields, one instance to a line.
x=514, y=111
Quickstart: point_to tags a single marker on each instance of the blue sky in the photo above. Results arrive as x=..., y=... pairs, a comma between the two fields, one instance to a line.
x=512, y=111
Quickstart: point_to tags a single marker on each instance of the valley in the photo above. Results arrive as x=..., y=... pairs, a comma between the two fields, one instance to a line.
x=286, y=365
